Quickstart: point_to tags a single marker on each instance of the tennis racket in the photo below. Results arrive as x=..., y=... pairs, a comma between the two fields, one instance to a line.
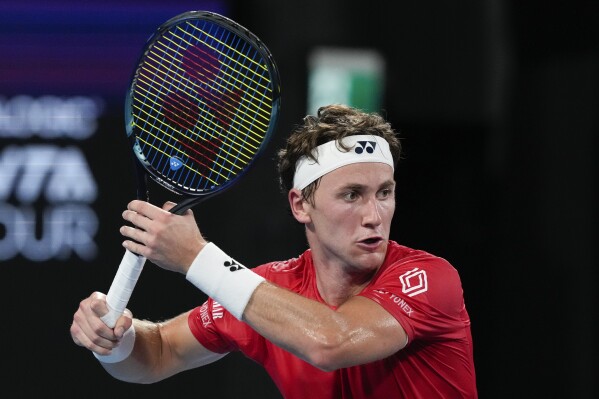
x=201, y=107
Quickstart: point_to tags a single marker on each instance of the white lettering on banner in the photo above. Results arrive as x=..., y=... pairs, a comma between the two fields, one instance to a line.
x=49, y=117
x=62, y=177
x=60, y=174
x=45, y=189
x=66, y=229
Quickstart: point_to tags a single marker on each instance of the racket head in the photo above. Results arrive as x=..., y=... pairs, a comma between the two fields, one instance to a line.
x=202, y=103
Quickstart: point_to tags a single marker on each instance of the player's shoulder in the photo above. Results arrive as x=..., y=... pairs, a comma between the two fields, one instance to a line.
x=284, y=269
x=417, y=272
x=403, y=257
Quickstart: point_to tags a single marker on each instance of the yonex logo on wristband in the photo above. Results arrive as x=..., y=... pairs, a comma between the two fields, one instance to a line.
x=232, y=265
x=367, y=146
x=210, y=272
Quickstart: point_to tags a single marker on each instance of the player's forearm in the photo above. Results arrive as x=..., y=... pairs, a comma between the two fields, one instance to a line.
x=303, y=327
x=309, y=329
x=323, y=337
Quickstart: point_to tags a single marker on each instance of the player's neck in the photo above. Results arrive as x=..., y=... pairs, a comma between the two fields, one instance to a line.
x=336, y=284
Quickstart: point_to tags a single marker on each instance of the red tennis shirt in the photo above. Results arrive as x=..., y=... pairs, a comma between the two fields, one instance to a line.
x=422, y=291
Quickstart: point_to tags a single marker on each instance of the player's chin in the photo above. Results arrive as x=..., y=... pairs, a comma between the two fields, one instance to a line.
x=372, y=253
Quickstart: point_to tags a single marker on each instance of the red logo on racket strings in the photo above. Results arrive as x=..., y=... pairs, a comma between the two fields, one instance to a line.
x=232, y=265
x=367, y=146
x=180, y=111
x=201, y=63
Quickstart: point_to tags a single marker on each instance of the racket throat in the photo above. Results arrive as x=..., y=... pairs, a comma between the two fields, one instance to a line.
x=141, y=178
x=184, y=205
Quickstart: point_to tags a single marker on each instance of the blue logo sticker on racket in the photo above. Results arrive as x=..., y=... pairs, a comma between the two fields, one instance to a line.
x=176, y=163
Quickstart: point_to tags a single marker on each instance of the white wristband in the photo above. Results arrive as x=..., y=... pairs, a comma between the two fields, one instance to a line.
x=122, y=351
x=223, y=279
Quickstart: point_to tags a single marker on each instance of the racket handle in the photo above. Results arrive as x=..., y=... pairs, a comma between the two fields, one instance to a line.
x=122, y=286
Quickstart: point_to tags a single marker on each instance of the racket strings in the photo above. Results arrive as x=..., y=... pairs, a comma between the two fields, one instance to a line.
x=261, y=105
x=242, y=66
x=223, y=93
x=203, y=101
x=188, y=140
x=213, y=150
x=197, y=172
x=193, y=86
x=213, y=160
x=185, y=107
x=247, y=73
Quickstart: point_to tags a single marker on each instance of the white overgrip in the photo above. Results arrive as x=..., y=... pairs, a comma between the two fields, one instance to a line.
x=122, y=286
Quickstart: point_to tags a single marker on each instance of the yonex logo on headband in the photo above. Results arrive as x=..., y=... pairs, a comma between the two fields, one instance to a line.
x=367, y=146
x=332, y=155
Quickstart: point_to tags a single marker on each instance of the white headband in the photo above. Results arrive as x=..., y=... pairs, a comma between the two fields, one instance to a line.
x=330, y=156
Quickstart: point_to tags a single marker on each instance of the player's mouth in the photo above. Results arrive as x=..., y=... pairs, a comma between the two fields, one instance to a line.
x=371, y=242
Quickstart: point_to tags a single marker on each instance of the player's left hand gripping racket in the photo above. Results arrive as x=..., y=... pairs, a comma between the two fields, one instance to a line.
x=201, y=107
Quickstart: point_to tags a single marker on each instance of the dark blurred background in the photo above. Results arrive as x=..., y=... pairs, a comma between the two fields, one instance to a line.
x=497, y=105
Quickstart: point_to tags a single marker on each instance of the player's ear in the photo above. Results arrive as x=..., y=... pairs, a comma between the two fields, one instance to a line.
x=298, y=206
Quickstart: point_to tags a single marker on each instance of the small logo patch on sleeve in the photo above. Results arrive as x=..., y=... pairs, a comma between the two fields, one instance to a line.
x=414, y=282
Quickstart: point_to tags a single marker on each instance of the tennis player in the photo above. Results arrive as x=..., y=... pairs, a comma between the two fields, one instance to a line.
x=356, y=315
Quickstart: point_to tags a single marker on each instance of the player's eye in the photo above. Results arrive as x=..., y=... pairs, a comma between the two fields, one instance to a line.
x=385, y=193
x=350, y=196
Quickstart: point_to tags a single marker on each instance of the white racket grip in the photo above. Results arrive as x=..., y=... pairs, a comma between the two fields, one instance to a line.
x=122, y=286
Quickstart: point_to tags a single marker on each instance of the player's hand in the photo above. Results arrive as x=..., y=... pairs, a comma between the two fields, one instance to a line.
x=89, y=331
x=168, y=240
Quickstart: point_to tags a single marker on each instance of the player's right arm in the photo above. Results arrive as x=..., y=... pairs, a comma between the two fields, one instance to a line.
x=160, y=349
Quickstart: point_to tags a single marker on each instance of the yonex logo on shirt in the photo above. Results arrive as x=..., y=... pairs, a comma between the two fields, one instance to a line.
x=367, y=146
x=414, y=282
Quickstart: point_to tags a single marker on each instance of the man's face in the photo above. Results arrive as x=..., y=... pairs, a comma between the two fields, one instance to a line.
x=351, y=216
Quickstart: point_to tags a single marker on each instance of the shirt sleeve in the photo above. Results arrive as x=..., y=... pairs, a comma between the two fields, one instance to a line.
x=203, y=324
x=425, y=295
x=220, y=332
